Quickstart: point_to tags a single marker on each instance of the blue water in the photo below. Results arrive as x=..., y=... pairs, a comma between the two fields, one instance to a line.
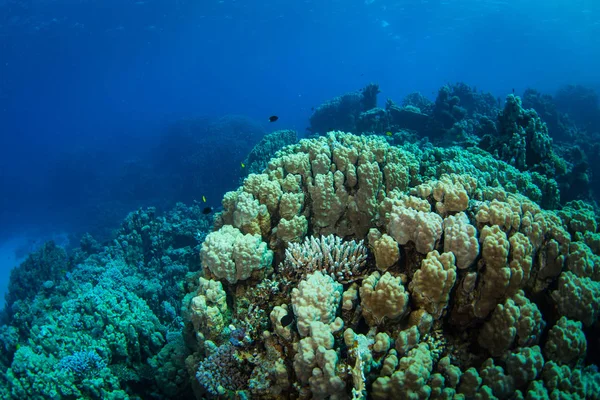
x=94, y=82
x=90, y=91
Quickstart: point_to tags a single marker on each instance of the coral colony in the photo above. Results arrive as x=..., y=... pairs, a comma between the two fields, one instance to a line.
x=443, y=299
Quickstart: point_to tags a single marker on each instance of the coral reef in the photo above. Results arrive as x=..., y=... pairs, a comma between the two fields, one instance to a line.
x=263, y=151
x=523, y=139
x=459, y=101
x=516, y=133
x=573, y=119
x=557, y=122
x=342, y=267
x=580, y=103
x=344, y=112
x=467, y=287
x=105, y=321
x=37, y=272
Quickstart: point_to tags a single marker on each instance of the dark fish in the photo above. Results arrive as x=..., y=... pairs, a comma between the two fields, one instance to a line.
x=273, y=118
x=287, y=319
x=312, y=109
x=207, y=210
x=513, y=90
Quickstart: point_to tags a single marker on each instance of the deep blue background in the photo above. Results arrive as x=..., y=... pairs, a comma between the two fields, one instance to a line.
x=104, y=77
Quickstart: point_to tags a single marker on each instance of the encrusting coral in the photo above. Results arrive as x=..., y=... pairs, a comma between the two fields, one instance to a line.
x=450, y=299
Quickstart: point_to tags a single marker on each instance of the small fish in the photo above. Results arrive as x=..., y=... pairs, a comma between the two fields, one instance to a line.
x=312, y=109
x=273, y=118
x=388, y=133
x=203, y=199
x=207, y=210
x=243, y=165
x=513, y=90
x=287, y=319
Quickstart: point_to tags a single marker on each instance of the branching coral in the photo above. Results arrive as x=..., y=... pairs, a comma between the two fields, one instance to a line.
x=342, y=260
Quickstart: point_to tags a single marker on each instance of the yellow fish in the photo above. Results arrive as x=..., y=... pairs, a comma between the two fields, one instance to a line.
x=243, y=165
x=388, y=133
x=204, y=199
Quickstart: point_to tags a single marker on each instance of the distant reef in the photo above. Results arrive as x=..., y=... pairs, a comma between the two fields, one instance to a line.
x=554, y=136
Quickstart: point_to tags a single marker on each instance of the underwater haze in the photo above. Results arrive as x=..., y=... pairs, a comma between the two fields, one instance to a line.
x=86, y=86
x=129, y=133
